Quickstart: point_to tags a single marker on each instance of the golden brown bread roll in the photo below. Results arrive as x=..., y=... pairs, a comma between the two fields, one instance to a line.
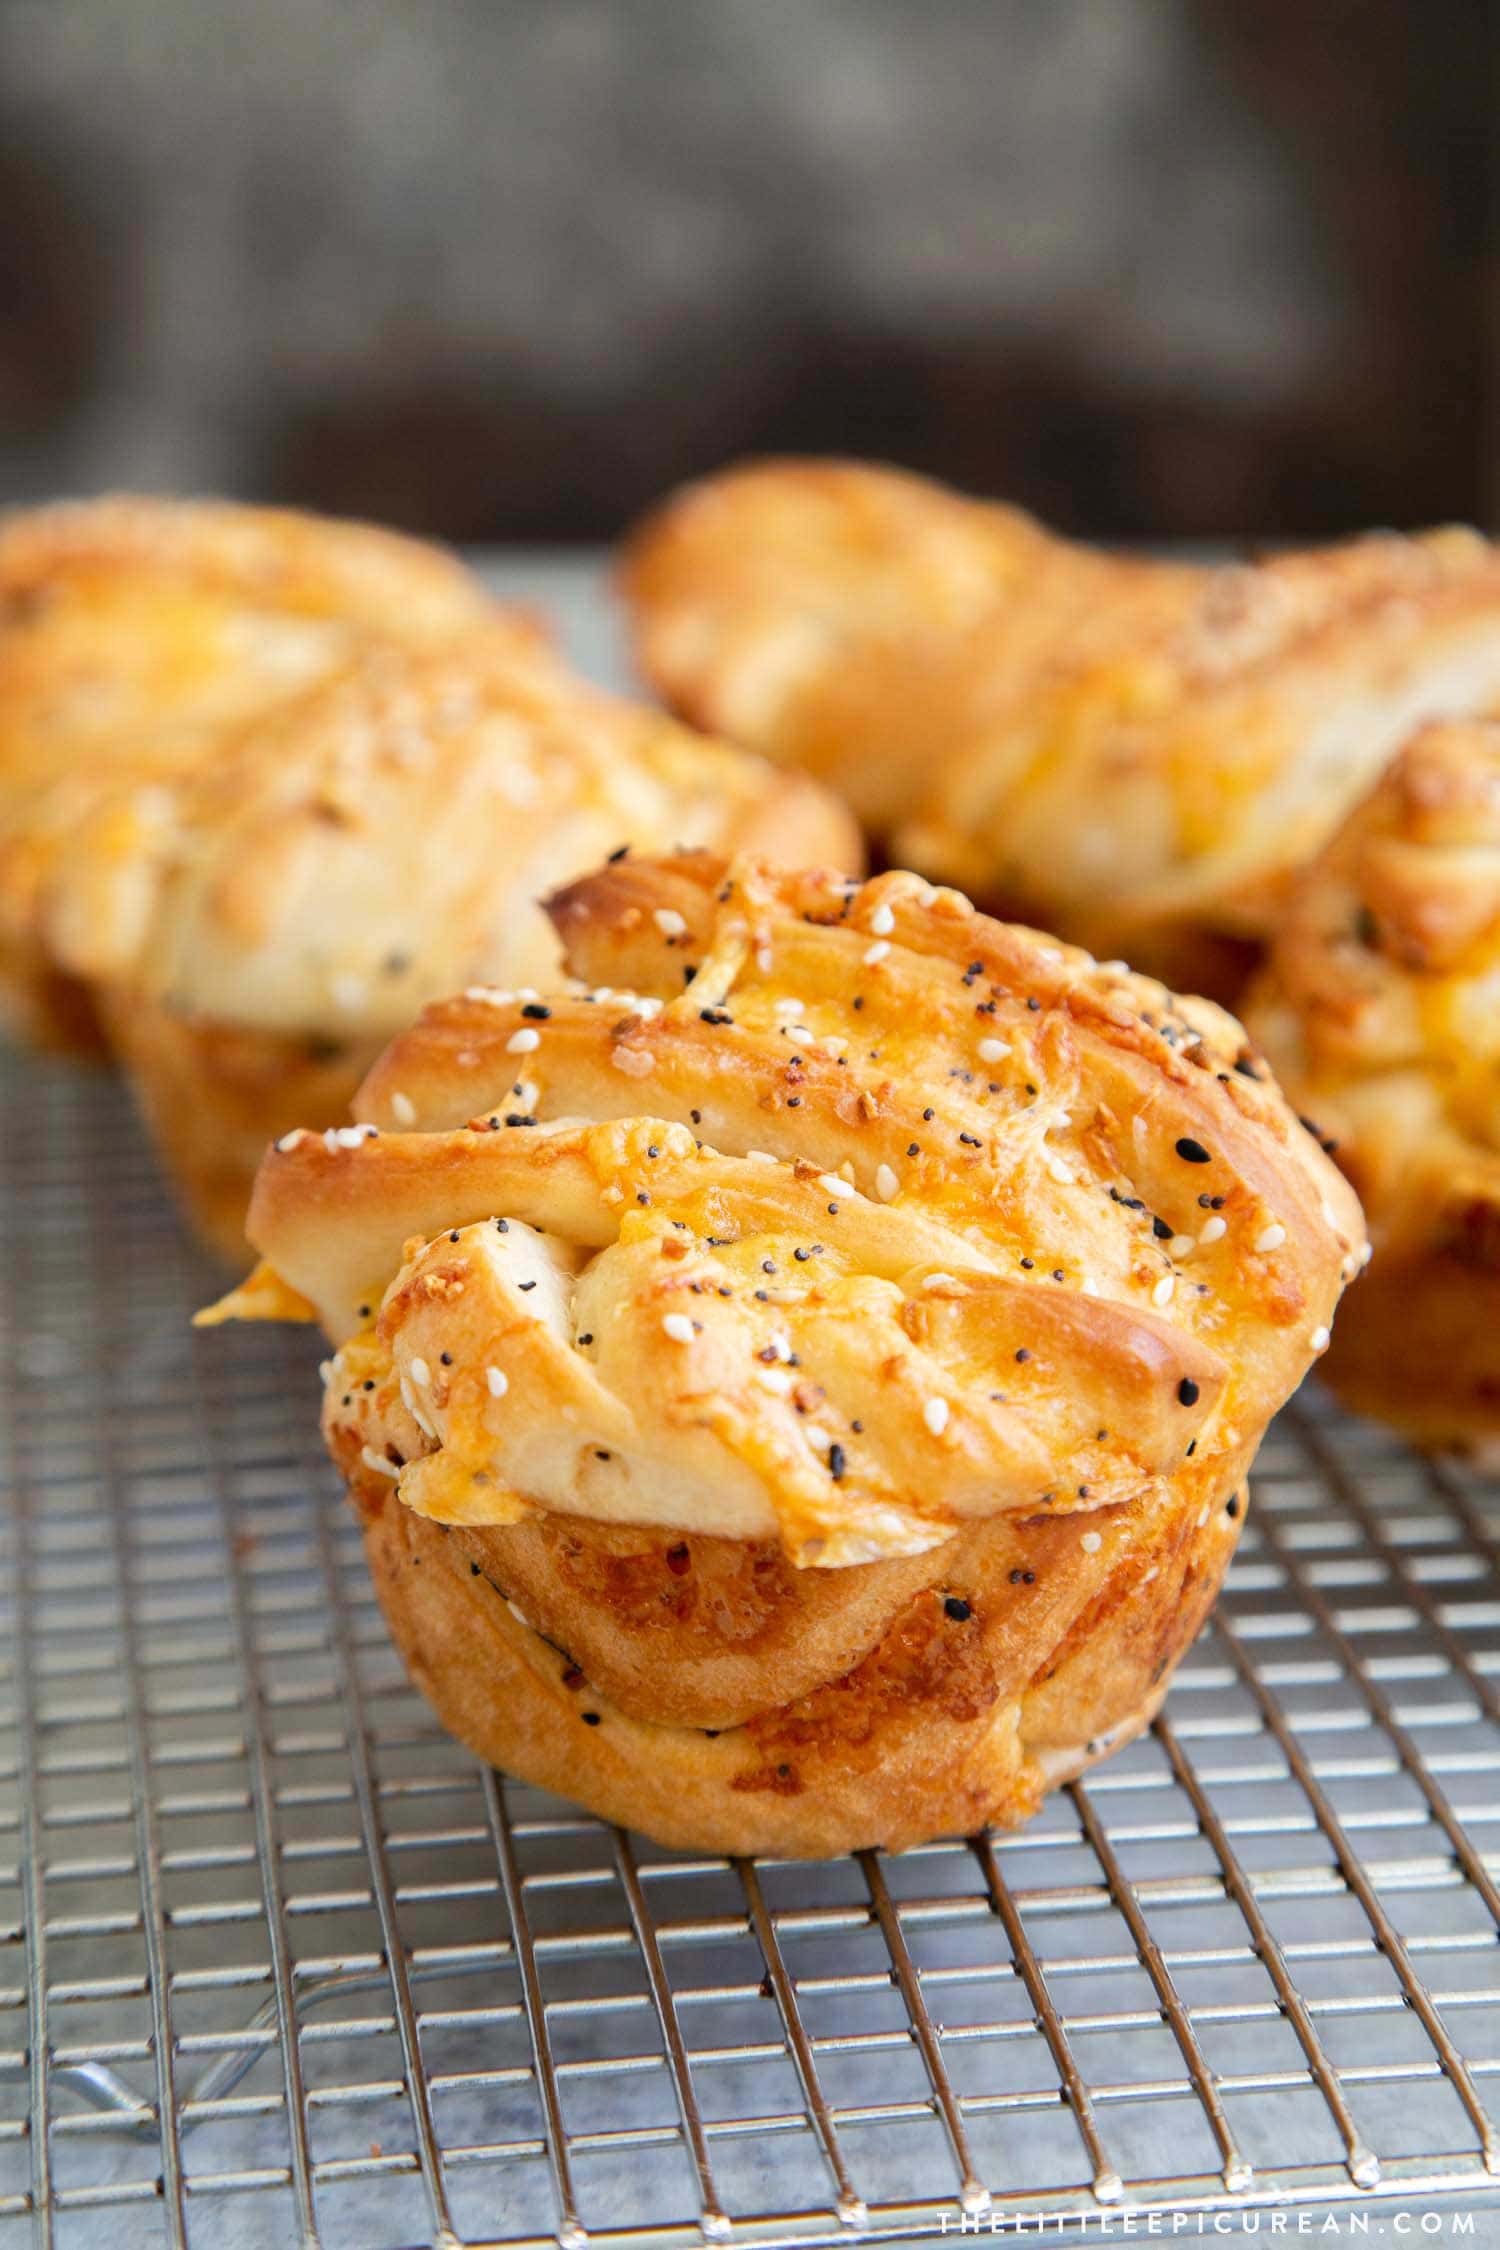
x=1380, y=1009
x=386, y=838
x=799, y=1386
x=267, y=784
x=1136, y=753
x=133, y=634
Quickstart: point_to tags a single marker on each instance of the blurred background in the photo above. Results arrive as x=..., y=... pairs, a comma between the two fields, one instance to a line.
x=505, y=269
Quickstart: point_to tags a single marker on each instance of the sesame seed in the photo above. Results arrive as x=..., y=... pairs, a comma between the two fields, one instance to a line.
x=1060, y=1172
x=993, y=1050
x=378, y=1462
x=1211, y=1230
x=935, y=1415
x=498, y=1380
x=1181, y=1246
x=403, y=1109
x=420, y=1371
x=1162, y=1293
x=886, y=1184
x=1319, y=1339
x=678, y=1327
x=1187, y=1391
x=1193, y=1152
x=1091, y=1542
x=837, y=1461
x=940, y=1281
x=523, y=1042
x=876, y=952
x=957, y=1608
x=882, y=921
x=1271, y=1237
x=669, y=922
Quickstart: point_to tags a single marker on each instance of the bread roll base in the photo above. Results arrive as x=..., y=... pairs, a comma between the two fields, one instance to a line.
x=969, y=1707
x=42, y=1006
x=1418, y=1346
x=213, y=1096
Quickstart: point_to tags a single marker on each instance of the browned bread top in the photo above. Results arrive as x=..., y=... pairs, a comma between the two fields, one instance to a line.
x=836, y=1214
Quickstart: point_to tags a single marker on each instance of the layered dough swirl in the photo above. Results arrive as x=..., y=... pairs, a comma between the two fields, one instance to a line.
x=1380, y=1009
x=1136, y=753
x=268, y=783
x=134, y=635
x=799, y=1385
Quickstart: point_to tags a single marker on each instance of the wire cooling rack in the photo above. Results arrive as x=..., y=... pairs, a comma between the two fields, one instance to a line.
x=281, y=1965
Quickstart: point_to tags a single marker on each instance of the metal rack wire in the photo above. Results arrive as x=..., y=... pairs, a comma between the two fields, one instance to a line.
x=281, y=1964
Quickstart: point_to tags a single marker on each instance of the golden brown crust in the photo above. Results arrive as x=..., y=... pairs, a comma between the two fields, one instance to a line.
x=267, y=783
x=791, y=1351
x=980, y=1691
x=1378, y=1010
x=134, y=634
x=278, y=559
x=390, y=835
x=211, y=1094
x=1135, y=753
x=42, y=1006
